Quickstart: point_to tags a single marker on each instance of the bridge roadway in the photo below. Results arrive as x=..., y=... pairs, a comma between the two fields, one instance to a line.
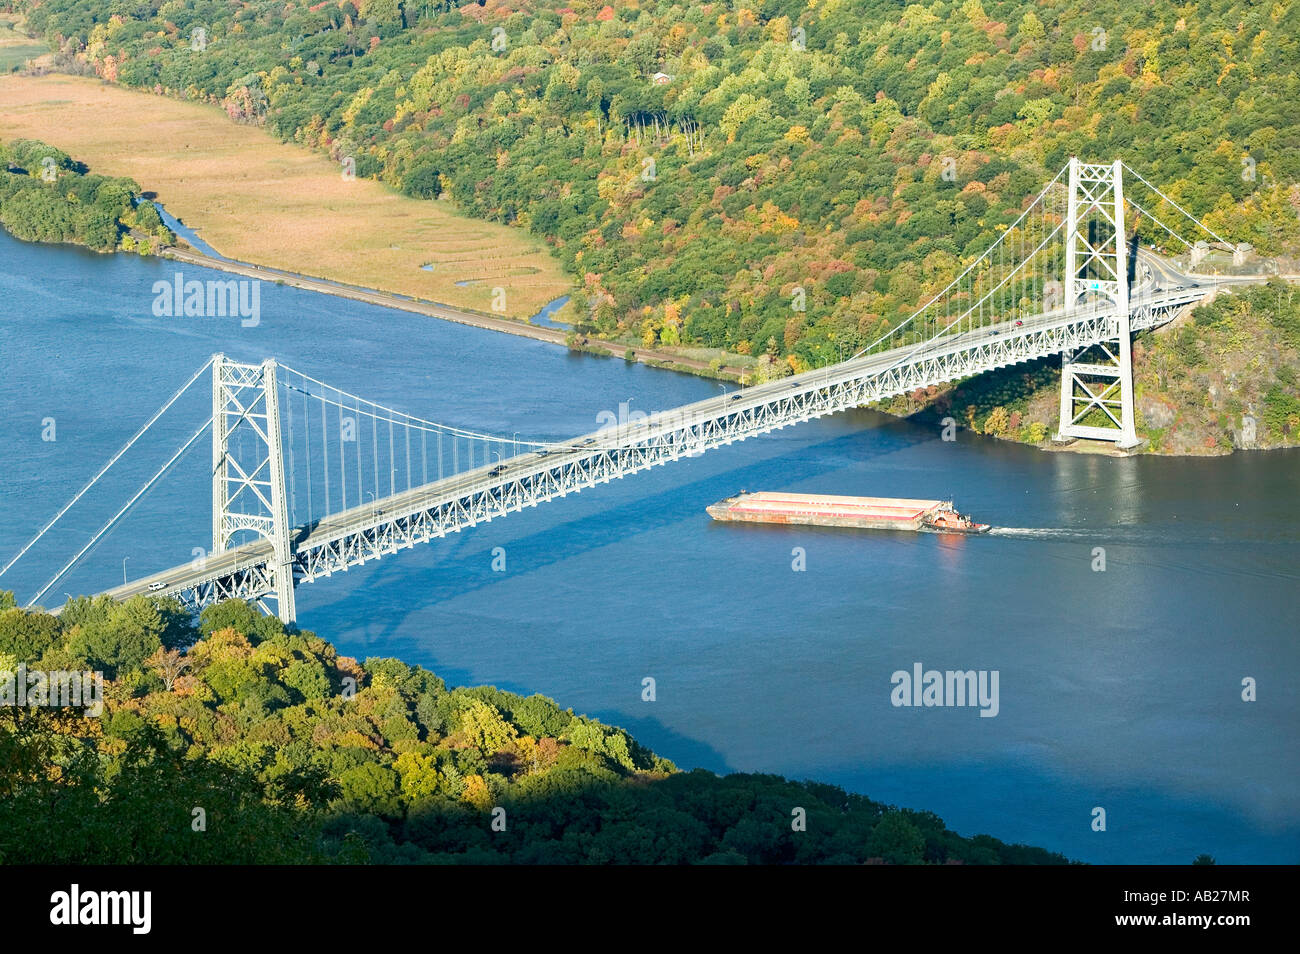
x=351, y=537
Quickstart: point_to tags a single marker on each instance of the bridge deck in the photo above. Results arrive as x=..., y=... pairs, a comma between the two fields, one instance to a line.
x=355, y=535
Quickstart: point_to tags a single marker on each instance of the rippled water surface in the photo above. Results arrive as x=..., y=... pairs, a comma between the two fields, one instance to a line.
x=1118, y=689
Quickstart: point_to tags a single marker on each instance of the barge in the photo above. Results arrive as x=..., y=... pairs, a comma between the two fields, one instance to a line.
x=827, y=510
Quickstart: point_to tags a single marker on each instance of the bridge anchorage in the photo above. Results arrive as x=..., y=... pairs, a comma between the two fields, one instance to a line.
x=308, y=479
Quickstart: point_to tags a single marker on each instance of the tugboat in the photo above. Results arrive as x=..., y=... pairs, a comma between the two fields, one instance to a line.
x=945, y=519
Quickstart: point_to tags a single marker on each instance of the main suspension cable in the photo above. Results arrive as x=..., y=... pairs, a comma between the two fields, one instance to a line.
x=117, y=516
x=103, y=470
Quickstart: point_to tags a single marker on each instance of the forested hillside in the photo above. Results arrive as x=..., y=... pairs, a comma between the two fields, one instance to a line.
x=784, y=179
x=246, y=742
x=1226, y=376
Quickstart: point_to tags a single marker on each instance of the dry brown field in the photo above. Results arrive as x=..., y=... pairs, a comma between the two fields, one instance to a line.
x=280, y=205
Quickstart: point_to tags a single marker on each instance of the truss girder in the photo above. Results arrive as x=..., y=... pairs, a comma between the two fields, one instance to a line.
x=661, y=440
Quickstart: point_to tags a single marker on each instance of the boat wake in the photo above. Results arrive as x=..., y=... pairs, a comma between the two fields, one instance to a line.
x=1048, y=533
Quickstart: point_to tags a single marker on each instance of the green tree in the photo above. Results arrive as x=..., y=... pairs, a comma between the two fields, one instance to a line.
x=26, y=636
x=240, y=616
x=896, y=840
x=371, y=788
x=483, y=727
x=308, y=677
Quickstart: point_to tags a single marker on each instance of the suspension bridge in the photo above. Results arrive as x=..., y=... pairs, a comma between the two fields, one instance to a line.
x=309, y=480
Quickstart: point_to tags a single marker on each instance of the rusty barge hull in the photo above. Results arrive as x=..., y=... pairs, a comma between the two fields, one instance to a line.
x=826, y=510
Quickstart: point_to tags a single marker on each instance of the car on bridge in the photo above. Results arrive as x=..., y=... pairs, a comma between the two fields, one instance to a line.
x=157, y=585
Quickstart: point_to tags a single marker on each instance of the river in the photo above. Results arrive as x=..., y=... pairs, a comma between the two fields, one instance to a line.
x=1119, y=689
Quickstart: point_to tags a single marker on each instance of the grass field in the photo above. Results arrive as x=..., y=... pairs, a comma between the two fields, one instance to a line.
x=16, y=49
x=280, y=205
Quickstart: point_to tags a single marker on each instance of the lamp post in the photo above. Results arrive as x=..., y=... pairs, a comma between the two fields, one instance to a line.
x=124, y=559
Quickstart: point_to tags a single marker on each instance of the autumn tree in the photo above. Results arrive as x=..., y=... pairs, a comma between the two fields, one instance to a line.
x=167, y=665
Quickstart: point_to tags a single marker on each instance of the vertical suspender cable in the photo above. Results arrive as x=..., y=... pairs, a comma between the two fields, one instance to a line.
x=293, y=504
x=325, y=451
x=406, y=429
x=343, y=461
x=306, y=416
x=392, y=460
x=374, y=446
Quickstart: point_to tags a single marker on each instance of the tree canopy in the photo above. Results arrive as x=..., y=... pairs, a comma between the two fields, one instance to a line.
x=46, y=196
x=296, y=754
x=700, y=168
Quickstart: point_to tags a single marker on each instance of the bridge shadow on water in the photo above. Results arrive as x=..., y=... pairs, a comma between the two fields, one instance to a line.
x=395, y=606
x=688, y=753
x=461, y=562
x=398, y=604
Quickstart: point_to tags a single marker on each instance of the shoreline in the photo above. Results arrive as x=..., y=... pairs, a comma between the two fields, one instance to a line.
x=587, y=345
x=254, y=198
x=597, y=346
x=463, y=316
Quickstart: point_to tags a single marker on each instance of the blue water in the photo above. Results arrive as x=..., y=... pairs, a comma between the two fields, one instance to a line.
x=543, y=317
x=1119, y=689
x=184, y=231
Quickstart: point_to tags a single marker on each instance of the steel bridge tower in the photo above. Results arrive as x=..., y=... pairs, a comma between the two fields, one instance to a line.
x=248, y=488
x=1100, y=377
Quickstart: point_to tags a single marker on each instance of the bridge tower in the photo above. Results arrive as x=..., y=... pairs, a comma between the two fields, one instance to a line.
x=1099, y=378
x=248, y=486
